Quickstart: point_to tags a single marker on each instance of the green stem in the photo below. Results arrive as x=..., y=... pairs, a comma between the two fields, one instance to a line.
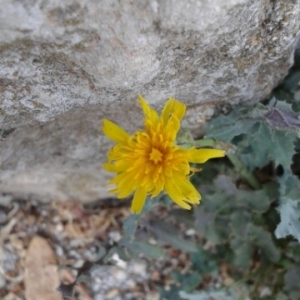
x=242, y=169
x=205, y=143
x=237, y=163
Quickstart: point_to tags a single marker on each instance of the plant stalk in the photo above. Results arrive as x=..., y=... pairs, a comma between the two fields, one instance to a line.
x=237, y=163
x=243, y=171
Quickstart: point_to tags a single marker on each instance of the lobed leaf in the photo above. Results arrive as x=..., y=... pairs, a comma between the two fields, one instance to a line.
x=290, y=219
x=242, y=254
x=130, y=225
x=289, y=207
x=263, y=239
x=166, y=232
x=188, y=281
x=226, y=132
x=207, y=295
x=139, y=247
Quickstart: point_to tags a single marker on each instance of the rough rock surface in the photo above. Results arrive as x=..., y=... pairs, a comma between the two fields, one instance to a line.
x=64, y=65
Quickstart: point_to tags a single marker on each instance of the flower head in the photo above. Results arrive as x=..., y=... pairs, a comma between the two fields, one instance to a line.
x=149, y=161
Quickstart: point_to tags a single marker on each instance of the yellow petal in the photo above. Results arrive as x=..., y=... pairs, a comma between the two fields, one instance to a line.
x=125, y=192
x=114, y=132
x=138, y=200
x=148, y=111
x=187, y=190
x=117, y=166
x=117, y=179
x=172, y=128
x=109, y=167
x=173, y=108
x=158, y=188
x=195, y=170
x=202, y=155
x=175, y=195
x=167, y=110
x=116, y=152
x=179, y=109
x=126, y=183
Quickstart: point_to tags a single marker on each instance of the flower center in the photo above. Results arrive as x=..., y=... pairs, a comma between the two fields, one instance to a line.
x=156, y=156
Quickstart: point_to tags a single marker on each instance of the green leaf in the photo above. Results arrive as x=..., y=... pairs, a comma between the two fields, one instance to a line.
x=272, y=144
x=282, y=296
x=283, y=117
x=265, y=134
x=283, y=152
x=271, y=190
x=225, y=130
x=226, y=185
x=241, y=120
x=256, y=201
x=130, y=225
x=207, y=295
x=260, y=144
x=101, y=252
x=293, y=251
x=184, y=136
x=211, y=233
x=213, y=227
x=239, y=221
x=167, y=233
x=140, y=247
x=183, y=216
x=263, y=239
x=292, y=278
x=172, y=293
x=116, y=250
x=188, y=281
x=243, y=256
x=289, y=207
x=289, y=186
x=246, y=236
x=203, y=261
x=290, y=219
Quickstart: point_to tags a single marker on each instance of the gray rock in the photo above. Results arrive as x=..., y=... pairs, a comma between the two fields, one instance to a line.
x=5, y=200
x=65, y=65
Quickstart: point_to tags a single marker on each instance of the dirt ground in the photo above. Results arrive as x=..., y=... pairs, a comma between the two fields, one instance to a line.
x=36, y=238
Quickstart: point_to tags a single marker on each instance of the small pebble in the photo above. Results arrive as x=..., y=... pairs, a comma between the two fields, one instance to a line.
x=115, y=236
x=89, y=255
x=139, y=267
x=190, y=232
x=118, y=261
x=265, y=292
x=59, y=250
x=59, y=227
x=74, y=254
x=112, y=293
x=78, y=263
x=153, y=296
x=9, y=260
x=119, y=274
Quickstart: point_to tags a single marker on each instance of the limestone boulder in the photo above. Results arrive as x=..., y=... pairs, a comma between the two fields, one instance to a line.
x=65, y=65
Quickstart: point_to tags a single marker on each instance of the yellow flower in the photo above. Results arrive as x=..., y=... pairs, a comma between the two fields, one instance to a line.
x=149, y=161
